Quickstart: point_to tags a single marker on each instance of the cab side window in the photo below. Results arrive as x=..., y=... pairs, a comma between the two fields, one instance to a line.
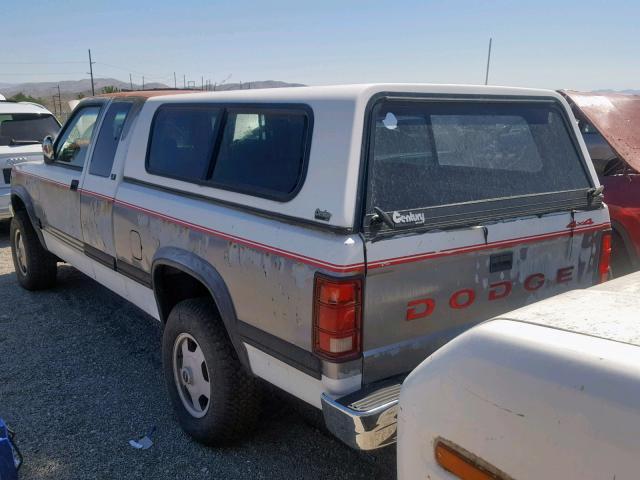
x=182, y=141
x=262, y=152
x=108, y=138
x=71, y=148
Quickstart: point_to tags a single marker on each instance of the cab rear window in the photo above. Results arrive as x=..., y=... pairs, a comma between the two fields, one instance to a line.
x=432, y=154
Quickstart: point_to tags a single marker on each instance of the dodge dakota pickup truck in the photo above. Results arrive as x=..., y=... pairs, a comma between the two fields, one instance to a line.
x=322, y=239
x=549, y=391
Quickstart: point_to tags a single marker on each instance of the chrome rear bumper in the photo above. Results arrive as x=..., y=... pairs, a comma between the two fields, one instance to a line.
x=364, y=420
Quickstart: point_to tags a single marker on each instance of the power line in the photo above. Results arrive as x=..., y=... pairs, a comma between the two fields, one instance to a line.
x=155, y=76
x=41, y=73
x=38, y=63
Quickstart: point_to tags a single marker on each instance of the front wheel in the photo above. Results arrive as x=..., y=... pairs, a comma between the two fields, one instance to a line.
x=215, y=399
x=35, y=267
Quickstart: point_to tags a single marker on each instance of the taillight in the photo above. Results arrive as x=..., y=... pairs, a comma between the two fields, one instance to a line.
x=605, y=257
x=337, y=317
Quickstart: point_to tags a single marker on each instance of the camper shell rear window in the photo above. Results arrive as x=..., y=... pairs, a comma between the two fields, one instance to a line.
x=441, y=163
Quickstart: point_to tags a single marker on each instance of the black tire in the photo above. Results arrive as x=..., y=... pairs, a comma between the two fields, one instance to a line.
x=235, y=395
x=36, y=268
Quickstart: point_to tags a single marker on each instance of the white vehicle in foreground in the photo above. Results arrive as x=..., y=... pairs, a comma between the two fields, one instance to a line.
x=23, y=126
x=548, y=391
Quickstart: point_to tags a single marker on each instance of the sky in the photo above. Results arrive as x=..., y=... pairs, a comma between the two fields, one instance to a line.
x=584, y=45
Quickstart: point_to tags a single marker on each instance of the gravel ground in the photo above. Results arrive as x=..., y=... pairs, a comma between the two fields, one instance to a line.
x=80, y=375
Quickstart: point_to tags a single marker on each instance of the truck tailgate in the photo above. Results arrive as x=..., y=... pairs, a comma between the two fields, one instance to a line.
x=447, y=281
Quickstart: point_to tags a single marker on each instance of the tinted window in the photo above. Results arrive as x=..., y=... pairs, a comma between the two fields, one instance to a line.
x=71, y=148
x=182, y=141
x=26, y=128
x=427, y=154
x=262, y=151
x=108, y=138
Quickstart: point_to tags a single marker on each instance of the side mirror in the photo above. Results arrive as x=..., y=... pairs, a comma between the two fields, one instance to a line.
x=47, y=149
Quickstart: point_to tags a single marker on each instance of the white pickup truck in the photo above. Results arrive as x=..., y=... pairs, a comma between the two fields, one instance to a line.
x=548, y=391
x=323, y=239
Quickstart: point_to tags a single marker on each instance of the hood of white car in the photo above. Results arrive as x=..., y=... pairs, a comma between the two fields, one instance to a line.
x=608, y=311
x=11, y=155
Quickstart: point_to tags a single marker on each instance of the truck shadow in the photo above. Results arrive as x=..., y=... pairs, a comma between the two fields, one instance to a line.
x=84, y=376
x=4, y=233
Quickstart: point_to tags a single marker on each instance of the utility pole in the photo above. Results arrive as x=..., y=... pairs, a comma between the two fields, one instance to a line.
x=60, y=99
x=184, y=81
x=131, y=82
x=215, y=84
x=55, y=109
x=93, y=90
x=143, y=82
x=486, y=77
x=175, y=83
x=202, y=83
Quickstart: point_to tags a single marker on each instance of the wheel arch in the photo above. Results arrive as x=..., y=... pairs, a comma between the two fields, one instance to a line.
x=21, y=200
x=188, y=263
x=629, y=246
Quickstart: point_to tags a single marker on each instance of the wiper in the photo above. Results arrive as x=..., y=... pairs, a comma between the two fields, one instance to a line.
x=381, y=216
x=23, y=142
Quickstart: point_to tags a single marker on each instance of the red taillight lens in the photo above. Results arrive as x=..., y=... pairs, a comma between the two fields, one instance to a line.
x=337, y=317
x=605, y=257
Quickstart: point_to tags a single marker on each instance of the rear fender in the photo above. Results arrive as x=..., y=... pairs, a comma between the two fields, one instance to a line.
x=206, y=274
x=629, y=245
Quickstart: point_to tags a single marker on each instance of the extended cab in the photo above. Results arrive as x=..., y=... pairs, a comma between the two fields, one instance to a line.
x=324, y=239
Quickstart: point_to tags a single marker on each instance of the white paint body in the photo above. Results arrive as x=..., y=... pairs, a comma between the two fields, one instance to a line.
x=548, y=391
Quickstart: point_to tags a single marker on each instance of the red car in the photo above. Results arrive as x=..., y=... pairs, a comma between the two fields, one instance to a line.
x=610, y=126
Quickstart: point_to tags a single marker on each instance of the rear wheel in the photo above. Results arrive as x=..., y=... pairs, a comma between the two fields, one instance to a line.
x=215, y=399
x=35, y=267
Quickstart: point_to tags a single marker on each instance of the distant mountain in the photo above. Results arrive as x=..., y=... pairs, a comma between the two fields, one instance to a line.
x=69, y=87
x=47, y=92
x=257, y=84
x=627, y=92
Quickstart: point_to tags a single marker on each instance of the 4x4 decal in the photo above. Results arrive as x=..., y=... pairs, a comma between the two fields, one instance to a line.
x=583, y=223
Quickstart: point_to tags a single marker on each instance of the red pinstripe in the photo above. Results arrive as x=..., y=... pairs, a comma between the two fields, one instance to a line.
x=349, y=268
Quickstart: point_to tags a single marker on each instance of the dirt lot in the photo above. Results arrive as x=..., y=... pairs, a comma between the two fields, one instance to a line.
x=80, y=375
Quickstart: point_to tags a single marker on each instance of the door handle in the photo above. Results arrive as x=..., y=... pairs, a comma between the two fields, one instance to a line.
x=74, y=185
x=501, y=262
